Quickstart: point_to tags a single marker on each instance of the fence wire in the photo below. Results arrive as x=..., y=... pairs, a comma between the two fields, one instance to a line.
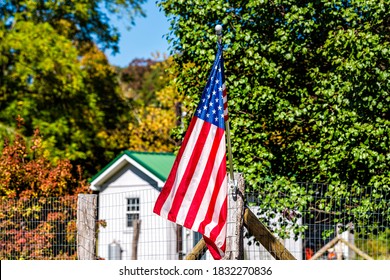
x=45, y=228
x=158, y=238
x=38, y=228
x=357, y=214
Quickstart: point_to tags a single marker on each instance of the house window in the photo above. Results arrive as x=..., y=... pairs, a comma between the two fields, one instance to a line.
x=132, y=210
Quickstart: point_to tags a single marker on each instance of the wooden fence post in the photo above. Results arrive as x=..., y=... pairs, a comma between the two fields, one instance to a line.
x=198, y=251
x=334, y=242
x=235, y=220
x=179, y=241
x=136, y=231
x=265, y=237
x=86, y=226
x=323, y=250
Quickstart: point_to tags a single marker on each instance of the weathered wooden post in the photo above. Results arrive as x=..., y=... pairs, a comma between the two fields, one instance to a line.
x=265, y=237
x=198, y=251
x=235, y=220
x=86, y=226
x=136, y=231
x=179, y=241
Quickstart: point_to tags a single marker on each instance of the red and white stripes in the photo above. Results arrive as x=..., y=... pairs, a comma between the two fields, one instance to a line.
x=225, y=107
x=195, y=193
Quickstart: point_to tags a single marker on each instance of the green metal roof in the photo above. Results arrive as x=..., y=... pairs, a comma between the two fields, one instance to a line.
x=159, y=164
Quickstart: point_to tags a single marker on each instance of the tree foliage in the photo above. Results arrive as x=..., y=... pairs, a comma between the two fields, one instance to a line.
x=141, y=79
x=37, y=201
x=81, y=21
x=54, y=74
x=150, y=84
x=308, y=93
x=26, y=172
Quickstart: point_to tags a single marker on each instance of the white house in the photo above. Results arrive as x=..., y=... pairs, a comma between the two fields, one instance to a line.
x=127, y=189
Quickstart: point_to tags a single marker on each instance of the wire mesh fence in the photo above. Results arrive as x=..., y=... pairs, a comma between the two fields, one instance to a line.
x=38, y=228
x=318, y=225
x=127, y=228
x=158, y=238
x=357, y=215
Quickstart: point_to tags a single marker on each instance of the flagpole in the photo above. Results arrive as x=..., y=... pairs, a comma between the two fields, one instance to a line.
x=233, y=182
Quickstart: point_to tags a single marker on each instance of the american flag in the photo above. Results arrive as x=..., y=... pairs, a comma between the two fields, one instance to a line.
x=195, y=193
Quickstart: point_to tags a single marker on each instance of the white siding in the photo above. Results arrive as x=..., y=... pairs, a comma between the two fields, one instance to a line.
x=155, y=232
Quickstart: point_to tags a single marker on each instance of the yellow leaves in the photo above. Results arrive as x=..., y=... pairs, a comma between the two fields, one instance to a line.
x=96, y=62
x=152, y=132
x=189, y=65
x=155, y=114
x=71, y=231
x=36, y=141
x=102, y=134
x=65, y=26
x=168, y=96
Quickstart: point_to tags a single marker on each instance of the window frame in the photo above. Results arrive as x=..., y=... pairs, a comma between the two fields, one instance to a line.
x=133, y=210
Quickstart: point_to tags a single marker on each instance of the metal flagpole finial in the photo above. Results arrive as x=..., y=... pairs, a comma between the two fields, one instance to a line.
x=218, y=30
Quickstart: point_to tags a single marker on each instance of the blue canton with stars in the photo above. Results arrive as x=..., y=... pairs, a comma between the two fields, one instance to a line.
x=210, y=108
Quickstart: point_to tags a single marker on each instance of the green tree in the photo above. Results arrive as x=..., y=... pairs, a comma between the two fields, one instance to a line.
x=308, y=93
x=141, y=79
x=150, y=84
x=54, y=74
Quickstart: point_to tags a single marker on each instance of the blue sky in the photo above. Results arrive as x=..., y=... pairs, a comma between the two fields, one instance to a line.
x=143, y=39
